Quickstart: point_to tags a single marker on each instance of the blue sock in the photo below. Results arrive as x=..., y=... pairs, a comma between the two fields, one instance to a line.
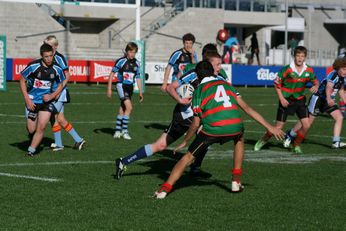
x=68, y=128
x=336, y=139
x=31, y=149
x=57, y=138
x=141, y=153
x=119, y=123
x=126, y=120
x=292, y=133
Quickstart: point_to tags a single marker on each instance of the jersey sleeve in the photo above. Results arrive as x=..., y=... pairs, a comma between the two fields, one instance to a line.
x=312, y=76
x=117, y=65
x=196, y=102
x=174, y=58
x=60, y=76
x=279, y=77
x=27, y=71
x=61, y=61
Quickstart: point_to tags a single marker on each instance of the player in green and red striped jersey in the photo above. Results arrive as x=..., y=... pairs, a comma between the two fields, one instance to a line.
x=290, y=87
x=216, y=107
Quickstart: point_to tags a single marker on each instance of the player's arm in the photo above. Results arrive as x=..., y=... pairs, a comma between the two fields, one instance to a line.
x=165, y=77
x=172, y=91
x=278, y=133
x=329, y=91
x=190, y=133
x=109, y=85
x=28, y=102
x=342, y=95
x=59, y=79
x=277, y=86
x=67, y=78
x=139, y=84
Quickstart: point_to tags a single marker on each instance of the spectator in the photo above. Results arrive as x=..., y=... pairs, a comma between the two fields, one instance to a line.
x=227, y=47
x=254, y=49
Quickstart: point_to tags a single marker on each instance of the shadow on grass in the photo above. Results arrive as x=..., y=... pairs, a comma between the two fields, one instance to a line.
x=156, y=126
x=162, y=168
x=46, y=142
x=109, y=131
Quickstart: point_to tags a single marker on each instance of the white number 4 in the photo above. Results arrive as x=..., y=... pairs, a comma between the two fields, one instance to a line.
x=221, y=96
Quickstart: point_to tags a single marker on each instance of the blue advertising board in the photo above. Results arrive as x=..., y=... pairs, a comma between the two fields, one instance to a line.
x=262, y=75
x=9, y=69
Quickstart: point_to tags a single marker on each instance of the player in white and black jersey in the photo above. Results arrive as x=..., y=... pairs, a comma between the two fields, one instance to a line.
x=181, y=120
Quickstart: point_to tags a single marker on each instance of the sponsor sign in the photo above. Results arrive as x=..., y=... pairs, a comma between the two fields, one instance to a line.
x=9, y=65
x=262, y=75
x=228, y=69
x=79, y=70
x=155, y=71
x=18, y=66
x=2, y=63
x=100, y=70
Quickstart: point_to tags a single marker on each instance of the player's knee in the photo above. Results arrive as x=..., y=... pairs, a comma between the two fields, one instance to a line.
x=61, y=118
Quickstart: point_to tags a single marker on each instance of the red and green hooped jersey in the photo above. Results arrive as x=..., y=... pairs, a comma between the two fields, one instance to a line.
x=214, y=101
x=291, y=83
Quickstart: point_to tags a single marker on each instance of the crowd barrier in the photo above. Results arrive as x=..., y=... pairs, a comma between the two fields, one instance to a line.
x=91, y=71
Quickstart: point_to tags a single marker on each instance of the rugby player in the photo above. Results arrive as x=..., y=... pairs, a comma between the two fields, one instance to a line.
x=126, y=70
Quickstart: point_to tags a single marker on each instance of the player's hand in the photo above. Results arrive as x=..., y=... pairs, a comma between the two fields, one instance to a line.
x=164, y=87
x=181, y=146
x=185, y=101
x=109, y=93
x=29, y=104
x=141, y=98
x=284, y=102
x=47, y=97
x=314, y=89
x=330, y=102
x=277, y=132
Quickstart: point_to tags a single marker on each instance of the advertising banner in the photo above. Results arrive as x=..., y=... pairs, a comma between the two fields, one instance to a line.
x=100, y=70
x=155, y=71
x=18, y=66
x=262, y=75
x=9, y=65
x=2, y=63
x=79, y=70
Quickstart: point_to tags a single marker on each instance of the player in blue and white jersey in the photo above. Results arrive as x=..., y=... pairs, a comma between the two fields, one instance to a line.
x=126, y=70
x=179, y=59
x=181, y=121
x=59, y=120
x=324, y=101
x=40, y=83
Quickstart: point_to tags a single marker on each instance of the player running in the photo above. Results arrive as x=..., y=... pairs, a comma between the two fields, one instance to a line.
x=126, y=70
x=181, y=121
x=40, y=82
x=179, y=59
x=290, y=87
x=59, y=120
x=216, y=107
x=324, y=101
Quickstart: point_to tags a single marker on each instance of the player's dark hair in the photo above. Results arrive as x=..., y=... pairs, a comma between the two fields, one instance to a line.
x=45, y=48
x=189, y=37
x=208, y=47
x=300, y=49
x=339, y=63
x=211, y=54
x=131, y=46
x=204, y=69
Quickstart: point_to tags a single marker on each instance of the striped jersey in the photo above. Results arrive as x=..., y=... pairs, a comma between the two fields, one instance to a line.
x=337, y=82
x=191, y=66
x=214, y=101
x=178, y=60
x=126, y=70
x=292, y=83
x=42, y=80
x=60, y=60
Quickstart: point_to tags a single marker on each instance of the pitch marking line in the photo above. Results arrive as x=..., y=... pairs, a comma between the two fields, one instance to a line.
x=30, y=177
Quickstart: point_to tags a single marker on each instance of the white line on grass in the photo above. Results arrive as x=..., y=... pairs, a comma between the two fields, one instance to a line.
x=29, y=177
x=58, y=163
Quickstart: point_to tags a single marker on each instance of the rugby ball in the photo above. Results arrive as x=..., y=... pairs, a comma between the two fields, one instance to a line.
x=185, y=90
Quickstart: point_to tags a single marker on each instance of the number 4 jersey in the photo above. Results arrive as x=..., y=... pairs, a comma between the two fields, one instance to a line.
x=214, y=101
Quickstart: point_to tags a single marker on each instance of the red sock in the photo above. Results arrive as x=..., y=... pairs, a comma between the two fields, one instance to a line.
x=236, y=174
x=166, y=187
x=300, y=137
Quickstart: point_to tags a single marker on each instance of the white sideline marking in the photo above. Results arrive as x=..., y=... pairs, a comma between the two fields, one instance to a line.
x=58, y=163
x=29, y=177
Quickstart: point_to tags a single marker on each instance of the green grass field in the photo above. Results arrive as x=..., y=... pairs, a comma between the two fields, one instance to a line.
x=75, y=190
